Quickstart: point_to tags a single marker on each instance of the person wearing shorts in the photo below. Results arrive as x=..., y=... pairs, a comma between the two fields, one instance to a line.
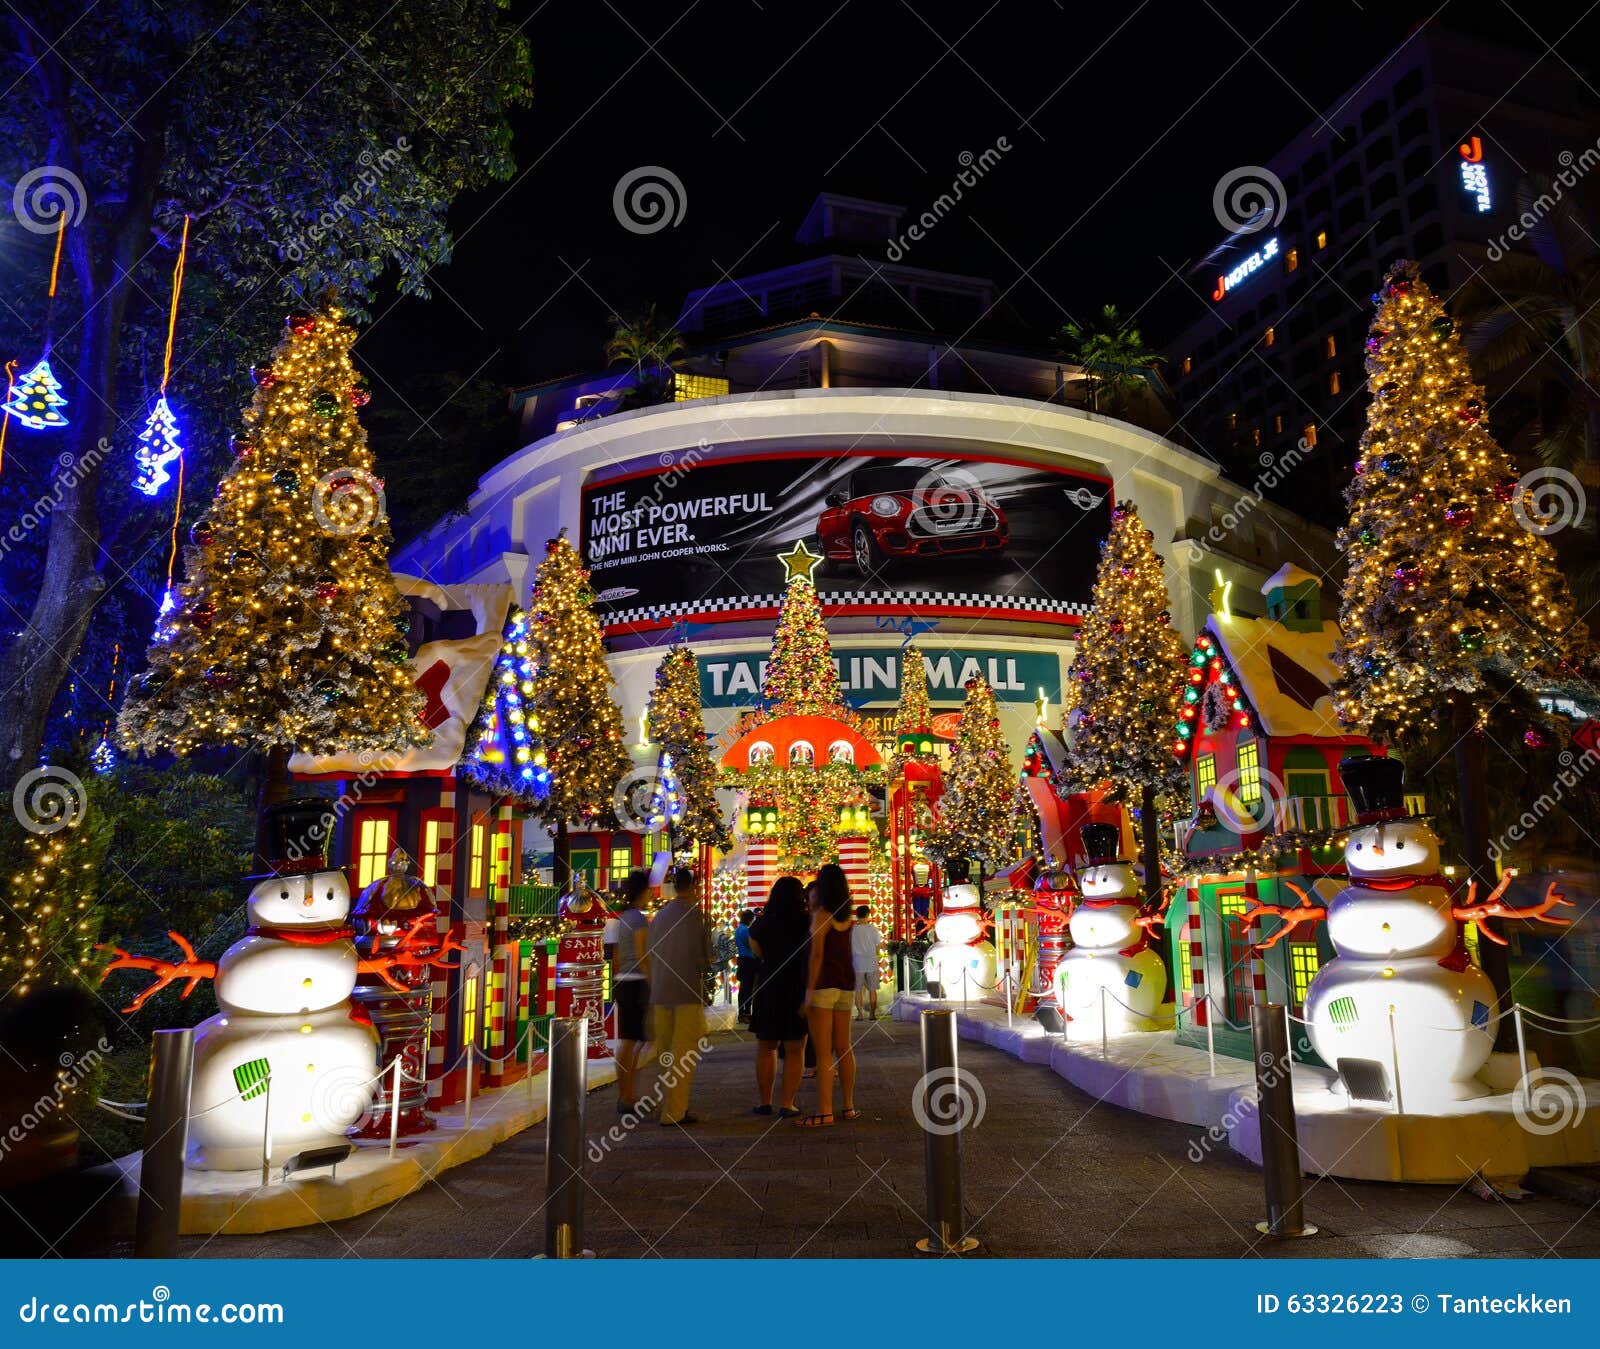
x=829, y=990
x=865, y=941
x=624, y=940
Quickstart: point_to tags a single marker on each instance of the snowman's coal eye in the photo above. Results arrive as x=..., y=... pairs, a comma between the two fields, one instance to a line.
x=283, y=894
x=1399, y=845
x=1358, y=847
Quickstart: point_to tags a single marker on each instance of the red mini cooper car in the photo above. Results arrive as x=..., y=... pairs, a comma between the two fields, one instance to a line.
x=891, y=511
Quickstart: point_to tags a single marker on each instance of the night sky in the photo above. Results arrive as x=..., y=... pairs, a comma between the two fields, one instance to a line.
x=1120, y=123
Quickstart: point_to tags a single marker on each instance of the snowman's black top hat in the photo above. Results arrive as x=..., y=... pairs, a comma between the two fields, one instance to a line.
x=296, y=836
x=1374, y=784
x=957, y=871
x=1102, y=843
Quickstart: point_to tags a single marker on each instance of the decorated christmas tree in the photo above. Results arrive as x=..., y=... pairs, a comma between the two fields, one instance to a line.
x=914, y=713
x=287, y=632
x=675, y=723
x=1453, y=612
x=1452, y=593
x=507, y=754
x=977, y=813
x=800, y=674
x=1125, y=683
x=48, y=924
x=571, y=702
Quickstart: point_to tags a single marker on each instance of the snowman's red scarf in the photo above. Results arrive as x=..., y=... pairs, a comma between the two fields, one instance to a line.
x=1399, y=882
x=299, y=936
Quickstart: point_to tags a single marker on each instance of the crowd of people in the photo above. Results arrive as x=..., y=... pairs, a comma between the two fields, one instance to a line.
x=807, y=965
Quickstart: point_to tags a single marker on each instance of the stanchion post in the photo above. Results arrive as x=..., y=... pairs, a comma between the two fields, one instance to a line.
x=1280, y=1140
x=466, y=1109
x=564, y=1139
x=905, y=972
x=941, y=1142
x=1211, y=1039
x=1104, y=1050
x=1522, y=1048
x=963, y=988
x=1007, y=995
x=166, y=1134
x=266, y=1133
x=394, y=1106
x=1394, y=1061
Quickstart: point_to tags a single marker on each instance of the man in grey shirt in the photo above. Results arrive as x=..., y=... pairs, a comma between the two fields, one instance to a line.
x=679, y=954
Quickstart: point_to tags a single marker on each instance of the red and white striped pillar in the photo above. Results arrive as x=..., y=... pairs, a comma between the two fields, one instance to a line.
x=499, y=1007
x=760, y=869
x=855, y=855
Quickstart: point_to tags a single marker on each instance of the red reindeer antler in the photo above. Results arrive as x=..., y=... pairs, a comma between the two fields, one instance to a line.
x=414, y=951
x=1292, y=914
x=1472, y=912
x=190, y=969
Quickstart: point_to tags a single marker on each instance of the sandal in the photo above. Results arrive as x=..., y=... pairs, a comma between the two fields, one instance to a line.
x=816, y=1122
x=851, y=1113
x=762, y=1110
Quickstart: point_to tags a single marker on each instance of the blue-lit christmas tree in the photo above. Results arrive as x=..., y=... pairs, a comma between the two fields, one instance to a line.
x=36, y=399
x=158, y=447
x=507, y=754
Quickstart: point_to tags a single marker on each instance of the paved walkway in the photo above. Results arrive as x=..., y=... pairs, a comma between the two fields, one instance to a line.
x=1049, y=1172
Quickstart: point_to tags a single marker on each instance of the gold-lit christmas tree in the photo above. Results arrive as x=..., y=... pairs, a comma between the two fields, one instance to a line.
x=571, y=703
x=675, y=723
x=47, y=924
x=1452, y=593
x=915, y=712
x=1126, y=681
x=800, y=674
x=288, y=632
x=978, y=812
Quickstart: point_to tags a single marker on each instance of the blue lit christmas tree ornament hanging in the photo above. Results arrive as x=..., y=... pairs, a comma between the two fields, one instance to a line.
x=508, y=753
x=36, y=399
x=103, y=758
x=158, y=447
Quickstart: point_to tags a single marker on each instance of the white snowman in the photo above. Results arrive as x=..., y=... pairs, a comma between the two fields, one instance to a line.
x=1111, y=969
x=1400, y=956
x=959, y=943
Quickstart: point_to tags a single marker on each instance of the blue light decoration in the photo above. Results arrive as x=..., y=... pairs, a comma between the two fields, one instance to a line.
x=507, y=754
x=103, y=758
x=36, y=399
x=1254, y=263
x=666, y=797
x=158, y=447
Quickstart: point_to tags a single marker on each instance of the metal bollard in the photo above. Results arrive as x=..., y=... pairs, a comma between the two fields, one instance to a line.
x=941, y=1147
x=166, y=1134
x=564, y=1139
x=1280, y=1142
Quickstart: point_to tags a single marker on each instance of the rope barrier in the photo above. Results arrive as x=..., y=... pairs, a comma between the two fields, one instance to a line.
x=111, y=1109
x=1589, y=1022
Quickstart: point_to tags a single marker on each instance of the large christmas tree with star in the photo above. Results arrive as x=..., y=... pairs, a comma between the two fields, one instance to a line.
x=571, y=703
x=1125, y=683
x=978, y=811
x=800, y=673
x=287, y=632
x=675, y=723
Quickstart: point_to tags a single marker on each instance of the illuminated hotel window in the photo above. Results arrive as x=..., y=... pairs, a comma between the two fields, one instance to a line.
x=1205, y=774
x=1277, y=424
x=1186, y=366
x=1302, y=965
x=469, y=1008
x=1291, y=260
x=1333, y=382
x=1185, y=968
x=475, y=875
x=430, y=852
x=1255, y=437
x=685, y=387
x=1269, y=337
x=1250, y=772
x=373, y=852
x=1322, y=238
x=1308, y=433
x=1330, y=346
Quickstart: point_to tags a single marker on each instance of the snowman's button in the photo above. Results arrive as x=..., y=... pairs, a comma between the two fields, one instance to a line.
x=305, y=1030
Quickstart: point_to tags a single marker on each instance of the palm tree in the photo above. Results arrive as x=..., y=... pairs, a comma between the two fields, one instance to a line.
x=1528, y=306
x=650, y=347
x=1114, y=358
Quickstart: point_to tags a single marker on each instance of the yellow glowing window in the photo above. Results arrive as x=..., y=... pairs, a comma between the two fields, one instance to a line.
x=1250, y=772
x=685, y=387
x=1255, y=437
x=475, y=875
x=1333, y=382
x=1232, y=903
x=469, y=1010
x=1269, y=337
x=1322, y=238
x=1308, y=433
x=1233, y=421
x=1185, y=969
x=373, y=851
x=1187, y=366
x=621, y=863
x=1330, y=346
x=1291, y=260
x=1302, y=965
x=1277, y=424
x=1205, y=774
x=430, y=852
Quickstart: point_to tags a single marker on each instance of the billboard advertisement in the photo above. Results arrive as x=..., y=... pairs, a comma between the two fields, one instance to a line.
x=912, y=533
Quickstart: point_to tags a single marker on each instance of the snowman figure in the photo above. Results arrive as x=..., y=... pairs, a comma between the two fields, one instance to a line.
x=959, y=942
x=1111, y=970
x=288, y=1040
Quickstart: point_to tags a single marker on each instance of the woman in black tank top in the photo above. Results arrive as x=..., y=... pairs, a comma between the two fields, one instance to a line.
x=830, y=990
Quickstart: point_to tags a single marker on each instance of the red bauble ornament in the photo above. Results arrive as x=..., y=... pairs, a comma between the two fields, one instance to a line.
x=1471, y=412
x=242, y=449
x=1505, y=489
x=264, y=376
x=202, y=534
x=301, y=324
x=360, y=397
x=217, y=679
x=1408, y=574
x=1458, y=515
x=203, y=614
x=327, y=589
x=1534, y=738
